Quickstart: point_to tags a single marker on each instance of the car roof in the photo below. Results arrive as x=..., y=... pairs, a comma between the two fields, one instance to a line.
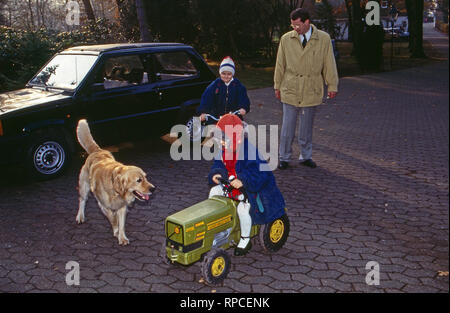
x=97, y=49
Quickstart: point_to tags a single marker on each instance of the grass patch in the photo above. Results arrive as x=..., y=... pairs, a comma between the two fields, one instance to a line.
x=251, y=77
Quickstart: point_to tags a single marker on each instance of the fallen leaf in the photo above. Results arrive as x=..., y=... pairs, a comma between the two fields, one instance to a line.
x=443, y=273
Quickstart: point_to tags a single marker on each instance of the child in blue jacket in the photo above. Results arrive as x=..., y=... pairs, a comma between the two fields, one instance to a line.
x=265, y=201
x=224, y=95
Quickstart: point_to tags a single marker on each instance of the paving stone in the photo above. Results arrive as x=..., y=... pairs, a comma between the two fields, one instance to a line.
x=287, y=285
x=162, y=288
x=237, y=286
x=419, y=289
x=137, y=284
x=18, y=277
x=262, y=289
x=41, y=283
x=258, y=280
x=114, y=289
x=325, y=274
x=307, y=280
x=276, y=274
x=309, y=289
x=337, y=285
x=112, y=279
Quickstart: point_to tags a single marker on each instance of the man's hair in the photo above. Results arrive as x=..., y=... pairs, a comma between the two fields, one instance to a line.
x=301, y=14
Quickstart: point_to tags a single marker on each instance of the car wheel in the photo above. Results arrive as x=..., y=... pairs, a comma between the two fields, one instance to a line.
x=216, y=266
x=48, y=155
x=273, y=236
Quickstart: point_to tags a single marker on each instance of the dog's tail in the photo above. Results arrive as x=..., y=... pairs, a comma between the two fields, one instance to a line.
x=85, y=138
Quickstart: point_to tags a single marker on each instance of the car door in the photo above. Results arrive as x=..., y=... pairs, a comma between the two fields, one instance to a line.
x=178, y=83
x=121, y=98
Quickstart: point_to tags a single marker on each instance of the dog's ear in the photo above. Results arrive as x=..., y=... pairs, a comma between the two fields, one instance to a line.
x=120, y=182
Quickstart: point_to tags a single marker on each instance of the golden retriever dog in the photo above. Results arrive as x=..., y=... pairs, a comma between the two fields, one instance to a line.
x=114, y=185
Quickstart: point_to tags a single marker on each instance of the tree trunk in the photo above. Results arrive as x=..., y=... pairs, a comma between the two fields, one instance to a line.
x=143, y=25
x=38, y=16
x=31, y=15
x=89, y=10
x=357, y=29
x=128, y=18
x=418, y=40
x=411, y=21
x=415, y=20
x=350, y=20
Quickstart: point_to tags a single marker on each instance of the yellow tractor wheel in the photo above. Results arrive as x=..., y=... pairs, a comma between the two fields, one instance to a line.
x=216, y=266
x=274, y=235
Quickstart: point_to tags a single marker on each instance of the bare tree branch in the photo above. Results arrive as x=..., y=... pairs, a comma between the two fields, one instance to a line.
x=89, y=10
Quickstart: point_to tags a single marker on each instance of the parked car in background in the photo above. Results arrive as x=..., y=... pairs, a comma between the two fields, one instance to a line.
x=428, y=16
x=125, y=91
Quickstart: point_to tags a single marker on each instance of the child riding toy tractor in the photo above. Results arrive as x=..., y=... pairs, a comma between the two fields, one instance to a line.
x=245, y=205
x=207, y=229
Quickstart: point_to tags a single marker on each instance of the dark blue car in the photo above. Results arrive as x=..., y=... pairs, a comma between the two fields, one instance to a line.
x=125, y=91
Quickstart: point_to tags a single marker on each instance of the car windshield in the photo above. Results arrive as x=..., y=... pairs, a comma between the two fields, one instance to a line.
x=64, y=71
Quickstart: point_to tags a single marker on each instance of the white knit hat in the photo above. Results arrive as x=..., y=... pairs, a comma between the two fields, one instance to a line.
x=227, y=65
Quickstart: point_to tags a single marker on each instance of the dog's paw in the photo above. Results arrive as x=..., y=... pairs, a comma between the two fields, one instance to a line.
x=123, y=241
x=80, y=219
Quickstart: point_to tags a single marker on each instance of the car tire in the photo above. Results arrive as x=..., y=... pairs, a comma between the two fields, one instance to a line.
x=273, y=236
x=48, y=155
x=216, y=266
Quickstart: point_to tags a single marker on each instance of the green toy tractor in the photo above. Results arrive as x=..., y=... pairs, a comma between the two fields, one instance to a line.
x=207, y=229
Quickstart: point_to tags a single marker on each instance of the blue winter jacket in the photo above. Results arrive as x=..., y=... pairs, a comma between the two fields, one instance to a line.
x=258, y=184
x=219, y=99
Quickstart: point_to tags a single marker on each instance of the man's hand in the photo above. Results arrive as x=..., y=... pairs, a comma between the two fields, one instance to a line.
x=236, y=183
x=242, y=112
x=216, y=178
x=278, y=94
x=203, y=117
x=331, y=94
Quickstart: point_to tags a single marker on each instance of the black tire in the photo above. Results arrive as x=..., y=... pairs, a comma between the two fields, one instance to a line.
x=216, y=266
x=273, y=236
x=48, y=155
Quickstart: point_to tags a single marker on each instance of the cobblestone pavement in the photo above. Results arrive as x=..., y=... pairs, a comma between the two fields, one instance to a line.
x=379, y=193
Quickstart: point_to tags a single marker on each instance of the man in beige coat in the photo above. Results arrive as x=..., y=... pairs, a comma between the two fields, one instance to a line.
x=305, y=60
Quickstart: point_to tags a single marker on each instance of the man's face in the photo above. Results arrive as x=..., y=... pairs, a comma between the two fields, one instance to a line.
x=226, y=76
x=300, y=27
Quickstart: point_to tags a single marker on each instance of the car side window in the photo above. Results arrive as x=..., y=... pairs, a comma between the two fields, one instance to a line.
x=173, y=65
x=123, y=71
